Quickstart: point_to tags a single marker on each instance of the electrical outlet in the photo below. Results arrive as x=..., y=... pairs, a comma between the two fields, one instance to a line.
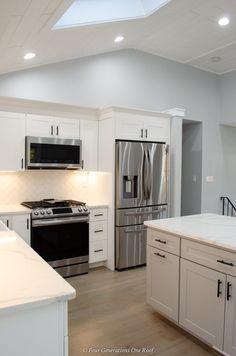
x=209, y=179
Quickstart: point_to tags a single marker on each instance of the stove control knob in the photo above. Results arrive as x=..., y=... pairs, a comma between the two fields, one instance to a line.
x=85, y=208
x=36, y=213
x=42, y=212
x=80, y=209
x=48, y=211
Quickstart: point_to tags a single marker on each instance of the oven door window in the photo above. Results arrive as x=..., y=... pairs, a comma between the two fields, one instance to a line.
x=52, y=153
x=59, y=242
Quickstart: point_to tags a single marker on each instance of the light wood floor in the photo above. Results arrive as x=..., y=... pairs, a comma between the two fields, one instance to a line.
x=110, y=312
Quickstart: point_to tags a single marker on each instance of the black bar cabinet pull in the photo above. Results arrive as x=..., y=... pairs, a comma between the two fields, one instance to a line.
x=51, y=130
x=146, y=133
x=7, y=223
x=158, y=254
x=98, y=215
x=22, y=163
x=161, y=241
x=98, y=250
x=141, y=133
x=82, y=163
x=218, y=288
x=228, y=292
x=27, y=224
x=57, y=131
x=98, y=231
x=226, y=263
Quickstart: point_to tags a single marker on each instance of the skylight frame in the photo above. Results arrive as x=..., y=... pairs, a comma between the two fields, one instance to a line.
x=94, y=12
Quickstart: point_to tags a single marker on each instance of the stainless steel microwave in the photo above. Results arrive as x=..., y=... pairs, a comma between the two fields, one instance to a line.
x=52, y=153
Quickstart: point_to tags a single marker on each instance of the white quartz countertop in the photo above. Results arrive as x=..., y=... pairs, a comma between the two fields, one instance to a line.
x=6, y=209
x=211, y=229
x=26, y=279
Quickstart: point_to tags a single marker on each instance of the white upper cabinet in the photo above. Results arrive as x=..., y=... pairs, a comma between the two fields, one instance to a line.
x=157, y=129
x=12, y=141
x=39, y=126
x=66, y=128
x=142, y=128
x=48, y=126
x=89, y=137
x=129, y=129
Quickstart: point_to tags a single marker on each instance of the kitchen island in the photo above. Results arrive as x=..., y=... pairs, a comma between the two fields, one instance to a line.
x=33, y=301
x=191, y=275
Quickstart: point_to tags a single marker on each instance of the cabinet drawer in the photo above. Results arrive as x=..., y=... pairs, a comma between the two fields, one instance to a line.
x=98, y=230
x=98, y=251
x=219, y=260
x=98, y=214
x=164, y=241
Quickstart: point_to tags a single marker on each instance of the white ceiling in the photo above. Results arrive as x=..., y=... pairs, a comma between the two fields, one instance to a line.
x=184, y=30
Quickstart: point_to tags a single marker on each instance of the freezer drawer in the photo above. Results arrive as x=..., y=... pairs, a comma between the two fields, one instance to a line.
x=134, y=216
x=130, y=246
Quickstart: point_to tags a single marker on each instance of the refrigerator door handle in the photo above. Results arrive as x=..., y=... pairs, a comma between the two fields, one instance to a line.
x=149, y=183
x=143, y=175
x=130, y=213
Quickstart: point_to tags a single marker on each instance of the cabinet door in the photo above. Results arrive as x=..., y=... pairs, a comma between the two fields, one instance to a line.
x=12, y=141
x=157, y=129
x=39, y=126
x=202, y=299
x=89, y=137
x=66, y=128
x=21, y=225
x=6, y=220
x=163, y=282
x=129, y=128
x=230, y=317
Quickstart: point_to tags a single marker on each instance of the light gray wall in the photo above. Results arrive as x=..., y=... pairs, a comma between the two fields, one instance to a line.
x=191, y=167
x=228, y=137
x=135, y=79
x=227, y=92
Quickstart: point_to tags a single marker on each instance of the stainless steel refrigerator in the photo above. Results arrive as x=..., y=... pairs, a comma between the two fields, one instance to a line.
x=141, y=194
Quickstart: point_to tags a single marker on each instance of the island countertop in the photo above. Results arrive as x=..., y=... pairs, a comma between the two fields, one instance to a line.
x=212, y=229
x=27, y=281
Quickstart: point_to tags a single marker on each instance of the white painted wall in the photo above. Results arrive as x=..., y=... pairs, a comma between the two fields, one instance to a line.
x=134, y=79
x=191, y=169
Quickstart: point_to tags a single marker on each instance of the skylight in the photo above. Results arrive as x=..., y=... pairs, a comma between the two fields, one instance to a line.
x=88, y=12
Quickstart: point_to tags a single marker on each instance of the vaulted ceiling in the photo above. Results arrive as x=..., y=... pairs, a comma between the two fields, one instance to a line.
x=184, y=30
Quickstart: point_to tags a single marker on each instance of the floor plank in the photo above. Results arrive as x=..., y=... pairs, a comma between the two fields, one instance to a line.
x=110, y=311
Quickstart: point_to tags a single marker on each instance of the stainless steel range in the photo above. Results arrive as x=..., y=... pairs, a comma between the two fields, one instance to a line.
x=60, y=234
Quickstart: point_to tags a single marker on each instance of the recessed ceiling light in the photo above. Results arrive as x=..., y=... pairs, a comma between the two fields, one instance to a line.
x=119, y=39
x=224, y=21
x=215, y=59
x=29, y=55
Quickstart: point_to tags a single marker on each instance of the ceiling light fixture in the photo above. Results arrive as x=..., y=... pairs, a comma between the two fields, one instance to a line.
x=223, y=21
x=29, y=55
x=119, y=39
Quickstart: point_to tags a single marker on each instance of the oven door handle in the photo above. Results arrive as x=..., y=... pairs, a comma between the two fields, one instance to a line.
x=59, y=221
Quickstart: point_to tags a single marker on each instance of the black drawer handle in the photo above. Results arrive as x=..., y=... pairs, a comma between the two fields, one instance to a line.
x=98, y=250
x=98, y=215
x=228, y=292
x=158, y=254
x=161, y=241
x=226, y=263
x=219, y=292
x=98, y=231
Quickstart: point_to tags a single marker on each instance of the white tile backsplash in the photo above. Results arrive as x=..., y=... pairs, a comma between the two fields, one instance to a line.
x=16, y=187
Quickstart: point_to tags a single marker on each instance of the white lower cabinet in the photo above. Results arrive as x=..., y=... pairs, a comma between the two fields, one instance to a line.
x=163, y=282
x=98, y=235
x=202, y=302
x=197, y=289
x=230, y=317
x=19, y=223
